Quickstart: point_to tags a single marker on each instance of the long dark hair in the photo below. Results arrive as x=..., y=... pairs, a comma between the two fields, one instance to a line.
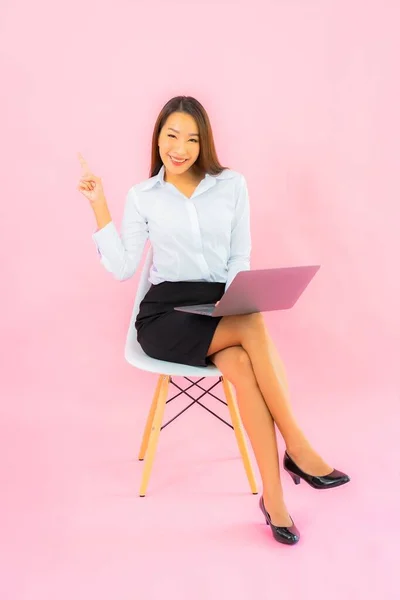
x=207, y=161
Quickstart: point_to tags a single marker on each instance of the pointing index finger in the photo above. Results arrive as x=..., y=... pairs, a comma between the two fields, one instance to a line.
x=83, y=162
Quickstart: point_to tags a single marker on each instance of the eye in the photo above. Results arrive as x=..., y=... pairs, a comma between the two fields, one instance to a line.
x=171, y=135
x=193, y=140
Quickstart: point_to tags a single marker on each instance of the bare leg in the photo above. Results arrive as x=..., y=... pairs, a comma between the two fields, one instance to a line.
x=235, y=365
x=249, y=331
x=279, y=368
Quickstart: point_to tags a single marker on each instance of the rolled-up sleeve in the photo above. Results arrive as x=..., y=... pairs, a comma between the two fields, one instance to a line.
x=240, y=248
x=121, y=254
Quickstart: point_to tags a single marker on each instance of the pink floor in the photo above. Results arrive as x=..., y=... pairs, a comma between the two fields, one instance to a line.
x=74, y=526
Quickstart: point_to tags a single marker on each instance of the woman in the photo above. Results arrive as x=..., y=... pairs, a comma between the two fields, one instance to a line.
x=196, y=214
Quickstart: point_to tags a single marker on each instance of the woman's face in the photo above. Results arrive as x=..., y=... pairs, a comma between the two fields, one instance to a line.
x=179, y=143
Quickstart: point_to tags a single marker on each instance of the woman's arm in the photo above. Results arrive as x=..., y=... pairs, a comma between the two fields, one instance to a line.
x=240, y=250
x=120, y=255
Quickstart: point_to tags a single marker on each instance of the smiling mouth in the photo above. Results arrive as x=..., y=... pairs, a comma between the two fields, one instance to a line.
x=177, y=162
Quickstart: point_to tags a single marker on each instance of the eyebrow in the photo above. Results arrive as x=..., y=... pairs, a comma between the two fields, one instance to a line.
x=176, y=131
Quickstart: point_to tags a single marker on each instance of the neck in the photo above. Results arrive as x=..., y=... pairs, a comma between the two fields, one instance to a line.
x=190, y=176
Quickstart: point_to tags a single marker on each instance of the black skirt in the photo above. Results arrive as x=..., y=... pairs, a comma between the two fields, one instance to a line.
x=174, y=336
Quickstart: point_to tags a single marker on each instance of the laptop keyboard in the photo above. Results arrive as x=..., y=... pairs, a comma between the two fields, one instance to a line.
x=205, y=308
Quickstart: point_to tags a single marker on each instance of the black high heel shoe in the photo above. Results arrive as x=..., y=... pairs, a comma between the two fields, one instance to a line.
x=284, y=535
x=319, y=482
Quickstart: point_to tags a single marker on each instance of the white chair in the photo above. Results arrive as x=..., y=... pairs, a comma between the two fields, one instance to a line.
x=136, y=357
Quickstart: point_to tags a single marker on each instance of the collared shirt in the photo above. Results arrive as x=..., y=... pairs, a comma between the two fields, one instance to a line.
x=204, y=238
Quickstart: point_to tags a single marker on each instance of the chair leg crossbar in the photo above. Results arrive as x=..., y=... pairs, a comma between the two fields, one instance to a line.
x=196, y=400
x=154, y=423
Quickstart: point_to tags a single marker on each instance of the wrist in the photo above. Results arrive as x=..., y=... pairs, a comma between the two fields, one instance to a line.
x=102, y=214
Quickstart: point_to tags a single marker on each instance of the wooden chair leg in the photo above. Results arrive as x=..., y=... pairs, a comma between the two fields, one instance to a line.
x=239, y=432
x=150, y=419
x=154, y=432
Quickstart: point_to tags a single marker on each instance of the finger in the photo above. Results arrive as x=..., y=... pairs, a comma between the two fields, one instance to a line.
x=90, y=177
x=90, y=181
x=83, y=162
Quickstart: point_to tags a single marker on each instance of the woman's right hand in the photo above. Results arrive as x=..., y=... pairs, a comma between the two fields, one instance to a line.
x=90, y=185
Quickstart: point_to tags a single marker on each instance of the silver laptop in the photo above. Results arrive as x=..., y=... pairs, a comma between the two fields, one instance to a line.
x=259, y=290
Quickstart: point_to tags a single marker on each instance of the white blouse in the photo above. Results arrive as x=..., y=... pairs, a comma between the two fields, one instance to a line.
x=204, y=238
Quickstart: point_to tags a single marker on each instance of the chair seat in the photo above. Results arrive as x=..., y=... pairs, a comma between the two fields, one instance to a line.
x=139, y=359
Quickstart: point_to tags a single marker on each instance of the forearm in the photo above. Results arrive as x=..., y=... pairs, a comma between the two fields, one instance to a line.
x=102, y=214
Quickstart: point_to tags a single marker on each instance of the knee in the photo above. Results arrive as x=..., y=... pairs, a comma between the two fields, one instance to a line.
x=241, y=373
x=240, y=363
x=242, y=359
x=235, y=364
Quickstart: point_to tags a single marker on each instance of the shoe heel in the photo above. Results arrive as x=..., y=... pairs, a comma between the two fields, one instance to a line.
x=295, y=478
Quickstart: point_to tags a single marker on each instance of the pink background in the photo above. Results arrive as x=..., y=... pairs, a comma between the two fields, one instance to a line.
x=304, y=101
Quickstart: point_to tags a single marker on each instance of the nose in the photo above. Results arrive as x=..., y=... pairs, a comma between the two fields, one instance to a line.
x=179, y=148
